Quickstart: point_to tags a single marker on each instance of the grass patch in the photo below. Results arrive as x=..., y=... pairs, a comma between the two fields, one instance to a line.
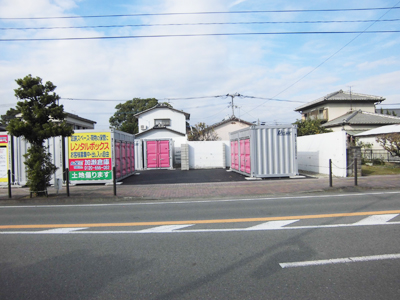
x=386, y=169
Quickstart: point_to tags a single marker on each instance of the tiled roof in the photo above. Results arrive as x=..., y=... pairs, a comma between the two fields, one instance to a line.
x=159, y=128
x=231, y=119
x=341, y=96
x=362, y=118
x=160, y=105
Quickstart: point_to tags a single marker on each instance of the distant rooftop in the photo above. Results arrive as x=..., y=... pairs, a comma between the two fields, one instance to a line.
x=341, y=96
x=362, y=118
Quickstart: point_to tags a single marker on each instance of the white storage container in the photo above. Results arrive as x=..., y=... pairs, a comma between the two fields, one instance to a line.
x=265, y=151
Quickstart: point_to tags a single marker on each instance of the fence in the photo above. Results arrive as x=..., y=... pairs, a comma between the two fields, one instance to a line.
x=375, y=154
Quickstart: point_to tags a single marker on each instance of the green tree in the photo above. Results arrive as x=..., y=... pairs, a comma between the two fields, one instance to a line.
x=310, y=127
x=202, y=132
x=124, y=120
x=10, y=114
x=40, y=118
x=390, y=142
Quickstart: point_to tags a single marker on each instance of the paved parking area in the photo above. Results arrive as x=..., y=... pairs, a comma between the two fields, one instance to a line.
x=179, y=176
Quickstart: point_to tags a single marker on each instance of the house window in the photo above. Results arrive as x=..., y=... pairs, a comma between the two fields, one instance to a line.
x=162, y=122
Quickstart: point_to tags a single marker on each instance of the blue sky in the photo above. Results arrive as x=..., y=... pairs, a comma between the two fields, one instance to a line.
x=296, y=68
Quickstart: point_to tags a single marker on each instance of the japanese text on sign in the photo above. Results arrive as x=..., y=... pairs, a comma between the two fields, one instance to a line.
x=90, y=156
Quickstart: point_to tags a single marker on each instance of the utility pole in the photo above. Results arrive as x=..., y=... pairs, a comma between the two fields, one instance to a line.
x=232, y=105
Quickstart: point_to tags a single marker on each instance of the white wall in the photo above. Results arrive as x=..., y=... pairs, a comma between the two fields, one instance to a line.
x=178, y=120
x=224, y=130
x=207, y=155
x=314, y=152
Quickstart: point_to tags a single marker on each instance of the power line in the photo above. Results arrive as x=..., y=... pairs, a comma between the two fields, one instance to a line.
x=201, y=13
x=197, y=35
x=323, y=62
x=138, y=99
x=197, y=24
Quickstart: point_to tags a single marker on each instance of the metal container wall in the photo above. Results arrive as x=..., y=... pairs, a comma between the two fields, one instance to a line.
x=18, y=147
x=265, y=151
x=85, y=166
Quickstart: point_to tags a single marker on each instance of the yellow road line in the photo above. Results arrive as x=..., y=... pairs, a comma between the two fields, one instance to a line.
x=217, y=221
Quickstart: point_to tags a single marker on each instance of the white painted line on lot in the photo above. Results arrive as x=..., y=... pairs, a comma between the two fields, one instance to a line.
x=160, y=202
x=59, y=230
x=271, y=225
x=166, y=228
x=376, y=219
x=338, y=261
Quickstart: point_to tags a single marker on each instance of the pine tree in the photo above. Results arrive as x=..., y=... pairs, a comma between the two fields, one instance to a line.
x=40, y=118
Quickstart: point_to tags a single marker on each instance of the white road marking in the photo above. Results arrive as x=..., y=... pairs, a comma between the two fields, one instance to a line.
x=376, y=219
x=59, y=230
x=271, y=225
x=197, y=201
x=166, y=228
x=175, y=229
x=338, y=261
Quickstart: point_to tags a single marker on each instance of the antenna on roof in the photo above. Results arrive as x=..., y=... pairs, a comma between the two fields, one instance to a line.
x=351, y=103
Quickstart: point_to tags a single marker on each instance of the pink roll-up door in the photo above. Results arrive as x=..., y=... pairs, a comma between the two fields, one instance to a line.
x=164, y=154
x=128, y=158
x=234, y=155
x=123, y=162
x=118, y=159
x=247, y=161
x=152, y=154
x=132, y=157
x=158, y=154
x=242, y=156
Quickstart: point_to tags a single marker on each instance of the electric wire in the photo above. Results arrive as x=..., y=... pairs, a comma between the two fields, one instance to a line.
x=327, y=59
x=197, y=24
x=201, y=13
x=195, y=35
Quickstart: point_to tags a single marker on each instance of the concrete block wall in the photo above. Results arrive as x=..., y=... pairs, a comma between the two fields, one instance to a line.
x=353, y=153
x=185, y=157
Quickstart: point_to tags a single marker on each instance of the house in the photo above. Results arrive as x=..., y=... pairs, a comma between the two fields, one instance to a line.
x=75, y=121
x=371, y=149
x=388, y=111
x=337, y=104
x=223, y=128
x=78, y=122
x=354, y=122
x=162, y=122
x=369, y=136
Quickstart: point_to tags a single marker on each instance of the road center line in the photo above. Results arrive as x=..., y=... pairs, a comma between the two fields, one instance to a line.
x=188, y=222
x=338, y=261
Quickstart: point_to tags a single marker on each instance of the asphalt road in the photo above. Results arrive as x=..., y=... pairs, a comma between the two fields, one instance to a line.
x=310, y=247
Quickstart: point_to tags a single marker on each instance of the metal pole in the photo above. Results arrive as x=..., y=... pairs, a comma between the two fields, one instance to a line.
x=355, y=172
x=330, y=172
x=9, y=183
x=115, y=181
x=67, y=179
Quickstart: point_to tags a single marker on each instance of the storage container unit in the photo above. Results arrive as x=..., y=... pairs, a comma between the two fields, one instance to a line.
x=4, y=157
x=265, y=151
x=17, y=147
x=158, y=154
x=93, y=154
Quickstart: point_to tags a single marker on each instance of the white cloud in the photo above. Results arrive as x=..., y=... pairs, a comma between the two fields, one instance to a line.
x=186, y=67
